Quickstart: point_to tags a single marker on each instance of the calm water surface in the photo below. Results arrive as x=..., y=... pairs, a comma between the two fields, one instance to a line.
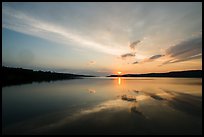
x=104, y=106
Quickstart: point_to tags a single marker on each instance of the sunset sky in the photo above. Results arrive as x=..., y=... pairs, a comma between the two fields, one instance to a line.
x=102, y=38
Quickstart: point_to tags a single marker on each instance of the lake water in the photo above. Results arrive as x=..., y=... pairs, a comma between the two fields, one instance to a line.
x=104, y=106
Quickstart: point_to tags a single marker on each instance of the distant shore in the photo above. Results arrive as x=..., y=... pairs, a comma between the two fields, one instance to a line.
x=15, y=76
x=178, y=74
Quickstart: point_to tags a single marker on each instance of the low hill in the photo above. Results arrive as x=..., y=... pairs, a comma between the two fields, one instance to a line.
x=185, y=74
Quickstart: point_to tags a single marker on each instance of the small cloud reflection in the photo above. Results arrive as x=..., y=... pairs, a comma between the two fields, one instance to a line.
x=92, y=91
x=128, y=98
x=156, y=97
x=136, y=91
x=103, y=106
x=135, y=110
x=142, y=97
x=147, y=94
x=134, y=105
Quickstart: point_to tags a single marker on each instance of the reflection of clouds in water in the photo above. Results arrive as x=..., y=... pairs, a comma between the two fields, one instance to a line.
x=108, y=111
x=133, y=100
x=105, y=105
x=53, y=121
x=136, y=91
x=92, y=91
x=135, y=110
x=128, y=98
x=179, y=101
x=148, y=94
x=186, y=103
x=156, y=97
x=142, y=97
x=108, y=105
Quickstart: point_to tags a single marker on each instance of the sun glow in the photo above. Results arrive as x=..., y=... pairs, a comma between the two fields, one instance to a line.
x=119, y=72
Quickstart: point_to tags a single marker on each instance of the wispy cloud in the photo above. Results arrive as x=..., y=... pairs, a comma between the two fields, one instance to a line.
x=132, y=47
x=155, y=57
x=21, y=22
x=152, y=58
x=92, y=62
x=136, y=62
x=134, y=44
x=189, y=49
x=124, y=56
x=186, y=50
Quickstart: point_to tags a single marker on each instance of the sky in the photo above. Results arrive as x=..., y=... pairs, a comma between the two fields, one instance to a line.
x=102, y=38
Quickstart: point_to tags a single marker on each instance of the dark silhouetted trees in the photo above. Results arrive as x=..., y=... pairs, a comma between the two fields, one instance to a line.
x=12, y=76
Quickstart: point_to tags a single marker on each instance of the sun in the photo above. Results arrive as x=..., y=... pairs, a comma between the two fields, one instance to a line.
x=119, y=72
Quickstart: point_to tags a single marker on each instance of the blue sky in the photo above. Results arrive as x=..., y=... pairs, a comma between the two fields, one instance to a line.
x=101, y=38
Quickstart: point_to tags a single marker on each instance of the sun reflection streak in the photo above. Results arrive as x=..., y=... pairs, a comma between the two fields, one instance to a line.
x=119, y=81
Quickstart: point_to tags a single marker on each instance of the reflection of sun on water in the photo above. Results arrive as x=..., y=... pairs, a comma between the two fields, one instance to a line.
x=119, y=81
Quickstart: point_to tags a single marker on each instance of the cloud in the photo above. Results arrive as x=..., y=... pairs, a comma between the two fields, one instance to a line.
x=134, y=44
x=189, y=49
x=92, y=62
x=152, y=58
x=128, y=55
x=136, y=62
x=186, y=50
x=155, y=57
x=24, y=23
x=132, y=47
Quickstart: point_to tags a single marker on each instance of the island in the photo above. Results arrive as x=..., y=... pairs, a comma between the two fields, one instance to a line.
x=179, y=74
